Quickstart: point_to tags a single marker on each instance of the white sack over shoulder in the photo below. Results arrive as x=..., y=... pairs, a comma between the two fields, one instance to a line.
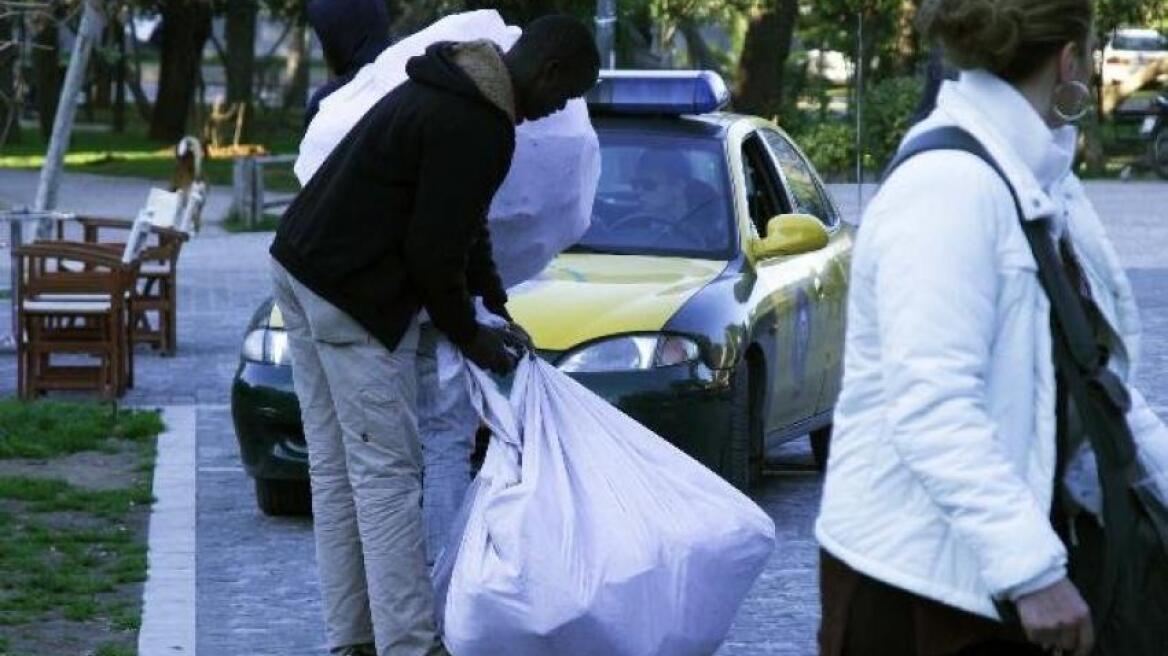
x=342, y=109
x=545, y=203
x=586, y=534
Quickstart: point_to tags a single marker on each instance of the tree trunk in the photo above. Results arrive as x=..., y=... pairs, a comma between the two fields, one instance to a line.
x=46, y=73
x=241, y=40
x=764, y=56
x=700, y=54
x=103, y=72
x=134, y=77
x=186, y=26
x=873, y=37
x=296, y=70
x=9, y=103
x=118, y=118
x=907, y=45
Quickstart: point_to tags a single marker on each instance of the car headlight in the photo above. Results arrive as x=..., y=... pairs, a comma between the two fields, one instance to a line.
x=267, y=346
x=633, y=353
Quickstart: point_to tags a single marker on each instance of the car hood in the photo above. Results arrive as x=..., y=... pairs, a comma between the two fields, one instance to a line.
x=580, y=298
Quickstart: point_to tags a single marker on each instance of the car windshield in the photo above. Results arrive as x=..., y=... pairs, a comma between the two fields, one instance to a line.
x=1144, y=42
x=660, y=194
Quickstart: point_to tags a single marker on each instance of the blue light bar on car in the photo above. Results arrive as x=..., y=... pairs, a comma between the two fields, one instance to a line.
x=658, y=92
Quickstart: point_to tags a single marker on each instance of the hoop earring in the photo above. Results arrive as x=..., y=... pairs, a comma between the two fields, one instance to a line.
x=1071, y=101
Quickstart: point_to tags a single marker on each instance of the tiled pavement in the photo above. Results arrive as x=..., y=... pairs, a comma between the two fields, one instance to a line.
x=255, y=575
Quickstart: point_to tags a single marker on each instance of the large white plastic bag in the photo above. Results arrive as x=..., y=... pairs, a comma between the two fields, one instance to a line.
x=342, y=109
x=594, y=537
x=545, y=203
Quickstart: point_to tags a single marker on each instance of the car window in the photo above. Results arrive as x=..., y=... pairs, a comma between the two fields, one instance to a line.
x=661, y=194
x=809, y=196
x=1139, y=42
x=762, y=186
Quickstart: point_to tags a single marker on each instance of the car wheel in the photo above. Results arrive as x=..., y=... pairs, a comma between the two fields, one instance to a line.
x=280, y=498
x=744, y=458
x=1160, y=153
x=821, y=446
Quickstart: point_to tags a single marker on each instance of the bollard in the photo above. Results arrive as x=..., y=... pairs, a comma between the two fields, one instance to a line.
x=243, y=204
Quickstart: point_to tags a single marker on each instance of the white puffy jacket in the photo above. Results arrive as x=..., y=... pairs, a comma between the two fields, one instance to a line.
x=941, y=472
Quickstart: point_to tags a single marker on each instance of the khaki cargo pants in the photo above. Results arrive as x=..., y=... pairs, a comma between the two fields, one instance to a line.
x=359, y=408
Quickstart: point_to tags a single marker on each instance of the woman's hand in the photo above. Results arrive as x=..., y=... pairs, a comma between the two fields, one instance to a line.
x=1056, y=617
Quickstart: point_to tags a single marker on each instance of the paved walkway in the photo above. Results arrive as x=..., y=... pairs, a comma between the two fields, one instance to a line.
x=100, y=195
x=256, y=587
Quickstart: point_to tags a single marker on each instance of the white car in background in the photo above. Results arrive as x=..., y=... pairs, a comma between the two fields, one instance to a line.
x=1131, y=50
x=832, y=66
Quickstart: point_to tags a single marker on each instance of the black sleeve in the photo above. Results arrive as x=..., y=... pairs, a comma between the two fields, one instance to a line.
x=463, y=161
x=482, y=276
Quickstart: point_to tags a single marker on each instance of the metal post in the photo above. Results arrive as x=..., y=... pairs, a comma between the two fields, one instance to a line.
x=257, y=193
x=238, y=186
x=92, y=23
x=15, y=237
x=859, y=115
x=606, y=32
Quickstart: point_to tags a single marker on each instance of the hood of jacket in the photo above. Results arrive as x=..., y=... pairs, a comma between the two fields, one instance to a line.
x=351, y=32
x=474, y=69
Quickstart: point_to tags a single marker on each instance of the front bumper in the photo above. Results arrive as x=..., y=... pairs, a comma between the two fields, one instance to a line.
x=688, y=405
x=267, y=422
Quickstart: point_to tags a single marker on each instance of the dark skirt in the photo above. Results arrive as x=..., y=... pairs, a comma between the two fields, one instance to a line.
x=864, y=617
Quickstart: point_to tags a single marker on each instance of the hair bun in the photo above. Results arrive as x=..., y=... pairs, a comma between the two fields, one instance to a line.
x=975, y=33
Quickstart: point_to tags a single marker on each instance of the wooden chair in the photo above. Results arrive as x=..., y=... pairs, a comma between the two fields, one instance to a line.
x=72, y=303
x=172, y=218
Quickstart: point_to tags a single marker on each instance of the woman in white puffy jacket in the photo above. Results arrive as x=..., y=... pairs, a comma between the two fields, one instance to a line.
x=940, y=486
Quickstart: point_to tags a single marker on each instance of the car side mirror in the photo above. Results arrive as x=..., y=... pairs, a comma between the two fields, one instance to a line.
x=790, y=234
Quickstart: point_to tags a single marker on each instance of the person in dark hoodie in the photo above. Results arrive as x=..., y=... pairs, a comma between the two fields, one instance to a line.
x=352, y=33
x=391, y=225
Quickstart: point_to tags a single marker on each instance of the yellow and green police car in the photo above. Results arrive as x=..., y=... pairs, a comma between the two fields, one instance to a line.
x=706, y=300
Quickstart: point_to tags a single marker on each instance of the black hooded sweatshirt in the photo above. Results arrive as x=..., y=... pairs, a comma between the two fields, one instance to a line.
x=352, y=33
x=395, y=220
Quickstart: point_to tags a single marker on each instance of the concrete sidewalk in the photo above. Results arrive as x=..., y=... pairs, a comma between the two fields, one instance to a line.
x=101, y=195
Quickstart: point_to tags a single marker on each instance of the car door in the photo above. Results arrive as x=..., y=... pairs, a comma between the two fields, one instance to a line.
x=783, y=312
x=828, y=267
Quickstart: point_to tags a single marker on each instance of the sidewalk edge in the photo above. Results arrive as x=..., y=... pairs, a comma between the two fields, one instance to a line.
x=168, y=597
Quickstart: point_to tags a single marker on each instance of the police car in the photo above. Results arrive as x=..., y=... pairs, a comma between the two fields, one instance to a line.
x=706, y=300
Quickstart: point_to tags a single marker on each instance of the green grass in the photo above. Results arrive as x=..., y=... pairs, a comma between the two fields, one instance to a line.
x=43, y=430
x=50, y=496
x=66, y=552
x=52, y=569
x=235, y=223
x=132, y=154
x=124, y=618
x=114, y=649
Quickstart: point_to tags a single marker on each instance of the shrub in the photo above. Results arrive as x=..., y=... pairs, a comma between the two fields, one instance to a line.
x=888, y=107
x=831, y=146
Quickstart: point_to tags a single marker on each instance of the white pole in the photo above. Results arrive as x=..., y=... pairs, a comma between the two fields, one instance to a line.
x=92, y=22
x=859, y=115
x=606, y=32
